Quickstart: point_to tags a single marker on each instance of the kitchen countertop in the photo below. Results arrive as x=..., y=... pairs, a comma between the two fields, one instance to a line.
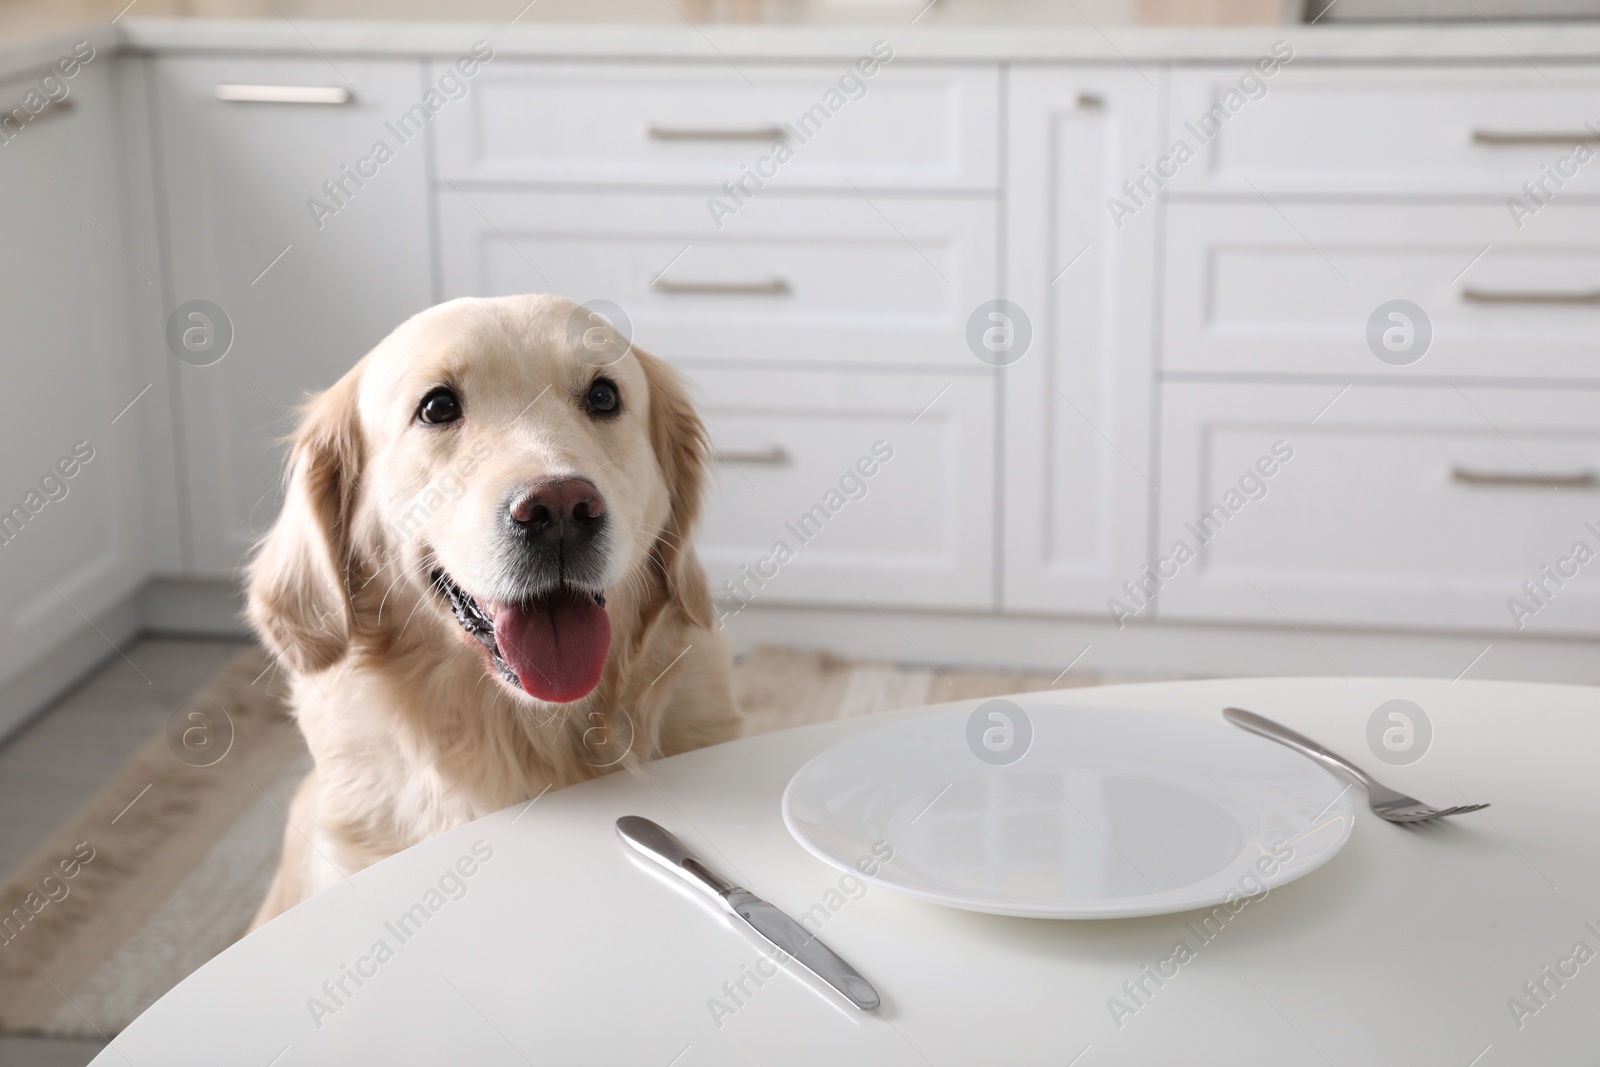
x=1093, y=31
x=1506, y=42
x=25, y=60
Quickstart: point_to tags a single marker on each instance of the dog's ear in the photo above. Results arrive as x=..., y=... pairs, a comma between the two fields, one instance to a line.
x=682, y=449
x=298, y=589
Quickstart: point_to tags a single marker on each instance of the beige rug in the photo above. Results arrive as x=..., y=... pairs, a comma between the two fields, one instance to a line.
x=178, y=856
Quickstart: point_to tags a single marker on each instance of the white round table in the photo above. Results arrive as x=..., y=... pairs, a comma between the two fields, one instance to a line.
x=532, y=937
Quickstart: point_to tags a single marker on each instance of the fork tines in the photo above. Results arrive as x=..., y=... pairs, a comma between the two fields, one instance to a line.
x=1428, y=816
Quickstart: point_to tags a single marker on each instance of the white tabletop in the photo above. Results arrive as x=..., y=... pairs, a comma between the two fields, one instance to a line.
x=1405, y=949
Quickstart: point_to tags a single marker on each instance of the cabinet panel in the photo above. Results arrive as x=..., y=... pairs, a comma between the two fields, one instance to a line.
x=307, y=289
x=1078, y=470
x=792, y=278
x=71, y=511
x=1426, y=506
x=878, y=487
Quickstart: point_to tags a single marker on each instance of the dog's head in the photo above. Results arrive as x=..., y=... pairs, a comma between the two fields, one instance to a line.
x=512, y=462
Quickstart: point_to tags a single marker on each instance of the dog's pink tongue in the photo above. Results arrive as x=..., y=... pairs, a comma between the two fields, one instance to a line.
x=557, y=645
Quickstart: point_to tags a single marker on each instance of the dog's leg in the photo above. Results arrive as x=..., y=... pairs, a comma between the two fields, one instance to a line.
x=700, y=711
x=292, y=883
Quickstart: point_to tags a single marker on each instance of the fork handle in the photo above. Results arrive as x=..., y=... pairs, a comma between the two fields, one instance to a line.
x=1260, y=724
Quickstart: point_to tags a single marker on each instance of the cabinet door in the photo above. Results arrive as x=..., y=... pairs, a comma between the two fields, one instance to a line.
x=307, y=290
x=1381, y=505
x=1078, y=468
x=71, y=547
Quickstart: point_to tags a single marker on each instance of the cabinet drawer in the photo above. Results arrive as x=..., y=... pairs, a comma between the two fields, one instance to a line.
x=651, y=124
x=796, y=278
x=1251, y=290
x=1401, y=506
x=916, y=532
x=1387, y=130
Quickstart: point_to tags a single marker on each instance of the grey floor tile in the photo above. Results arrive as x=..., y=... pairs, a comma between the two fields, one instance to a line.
x=67, y=753
x=46, y=1052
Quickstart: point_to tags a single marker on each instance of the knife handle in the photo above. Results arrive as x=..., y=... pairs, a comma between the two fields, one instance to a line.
x=660, y=846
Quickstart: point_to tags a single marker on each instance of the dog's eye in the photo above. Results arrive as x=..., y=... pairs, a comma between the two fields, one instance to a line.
x=440, y=406
x=603, y=397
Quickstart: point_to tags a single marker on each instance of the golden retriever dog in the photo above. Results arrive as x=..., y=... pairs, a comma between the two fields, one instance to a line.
x=481, y=582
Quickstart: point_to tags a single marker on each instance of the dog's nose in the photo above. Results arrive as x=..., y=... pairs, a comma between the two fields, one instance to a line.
x=569, y=510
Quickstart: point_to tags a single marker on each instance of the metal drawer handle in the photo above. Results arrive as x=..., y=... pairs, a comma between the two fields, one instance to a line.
x=283, y=94
x=1485, y=296
x=774, y=454
x=657, y=132
x=1576, y=480
x=1491, y=137
x=762, y=287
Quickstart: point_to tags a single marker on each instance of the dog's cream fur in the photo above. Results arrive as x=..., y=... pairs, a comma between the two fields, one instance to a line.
x=410, y=731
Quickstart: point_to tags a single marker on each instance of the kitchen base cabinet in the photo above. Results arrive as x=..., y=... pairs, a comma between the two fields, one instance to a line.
x=305, y=267
x=72, y=537
x=976, y=353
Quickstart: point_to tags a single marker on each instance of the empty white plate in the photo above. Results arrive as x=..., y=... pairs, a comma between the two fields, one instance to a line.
x=1068, y=812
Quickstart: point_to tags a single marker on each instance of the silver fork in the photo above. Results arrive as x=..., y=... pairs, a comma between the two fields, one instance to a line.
x=1386, y=803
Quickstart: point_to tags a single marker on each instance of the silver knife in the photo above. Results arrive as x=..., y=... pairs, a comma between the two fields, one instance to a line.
x=658, y=845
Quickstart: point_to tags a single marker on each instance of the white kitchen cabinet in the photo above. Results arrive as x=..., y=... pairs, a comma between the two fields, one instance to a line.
x=832, y=279
x=907, y=126
x=868, y=490
x=73, y=544
x=1400, y=507
x=307, y=292
x=1384, y=130
x=1078, y=472
x=1173, y=342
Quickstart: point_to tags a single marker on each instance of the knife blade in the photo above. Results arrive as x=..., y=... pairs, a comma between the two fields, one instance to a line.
x=657, y=844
